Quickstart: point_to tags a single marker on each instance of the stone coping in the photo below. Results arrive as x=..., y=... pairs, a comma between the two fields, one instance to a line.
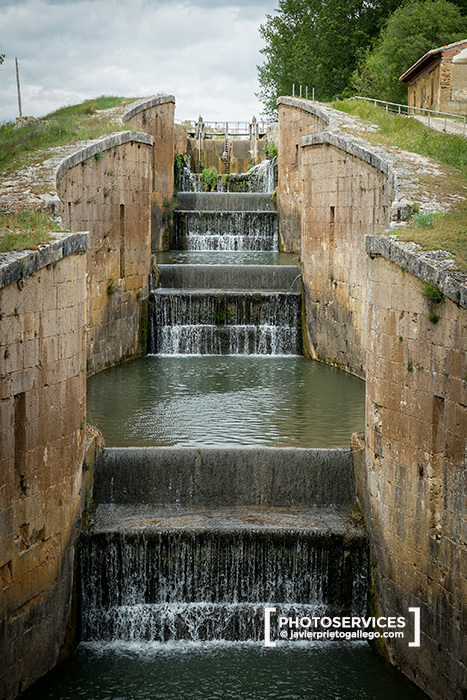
x=428, y=266
x=347, y=144
x=375, y=156
x=307, y=106
x=97, y=146
x=142, y=106
x=19, y=264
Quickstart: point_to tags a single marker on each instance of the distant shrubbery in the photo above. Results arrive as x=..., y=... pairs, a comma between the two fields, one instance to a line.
x=344, y=47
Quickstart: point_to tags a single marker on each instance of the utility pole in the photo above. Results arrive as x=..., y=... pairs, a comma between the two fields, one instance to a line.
x=19, y=91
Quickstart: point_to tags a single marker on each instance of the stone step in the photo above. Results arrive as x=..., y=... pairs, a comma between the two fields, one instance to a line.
x=226, y=230
x=225, y=201
x=319, y=522
x=225, y=477
x=230, y=277
x=155, y=574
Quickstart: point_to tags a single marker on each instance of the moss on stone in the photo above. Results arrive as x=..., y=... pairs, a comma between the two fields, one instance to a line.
x=378, y=645
x=143, y=325
x=306, y=345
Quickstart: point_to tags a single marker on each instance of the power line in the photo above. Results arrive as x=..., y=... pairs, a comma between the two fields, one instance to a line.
x=39, y=81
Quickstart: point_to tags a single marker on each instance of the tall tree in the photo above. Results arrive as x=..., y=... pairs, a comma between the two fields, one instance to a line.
x=413, y=29
x=316, y=43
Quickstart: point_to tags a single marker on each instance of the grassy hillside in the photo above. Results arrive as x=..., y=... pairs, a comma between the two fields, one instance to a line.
x=18, y=144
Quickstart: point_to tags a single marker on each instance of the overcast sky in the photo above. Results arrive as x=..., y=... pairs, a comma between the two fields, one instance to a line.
x=204, y=52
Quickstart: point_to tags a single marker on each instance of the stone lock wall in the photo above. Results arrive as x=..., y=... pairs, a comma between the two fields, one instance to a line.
x=345, y=195
x=106, y=189
x=42, y=437
x=414, y=492
x=180, y=139
x=368, y=309
x=156, y=118
x=296, y=119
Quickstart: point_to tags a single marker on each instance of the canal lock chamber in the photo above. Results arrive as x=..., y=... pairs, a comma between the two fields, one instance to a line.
x=227, y=484
x=194, y=543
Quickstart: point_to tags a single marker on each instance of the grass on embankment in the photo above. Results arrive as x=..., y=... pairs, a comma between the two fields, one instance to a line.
x=26, y=230
x=64, y=126
x=447, y=231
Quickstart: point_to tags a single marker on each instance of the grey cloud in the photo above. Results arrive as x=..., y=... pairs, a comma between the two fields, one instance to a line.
x=205, y=54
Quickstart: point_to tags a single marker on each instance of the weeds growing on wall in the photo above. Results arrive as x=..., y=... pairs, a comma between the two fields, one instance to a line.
x=26, y=229
x=434, y=298
x=432, y=294
x=168, y=205
x=270, y=149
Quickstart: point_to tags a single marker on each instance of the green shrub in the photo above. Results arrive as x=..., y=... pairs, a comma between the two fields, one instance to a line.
x=270, y=149
x=423, y=219
x=209, y=179
x=433, y=294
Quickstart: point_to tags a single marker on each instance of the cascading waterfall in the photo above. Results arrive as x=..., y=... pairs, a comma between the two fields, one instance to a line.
x=228, y=323
x=226, y=230
x=188, y=181
x=202, y=585
x=261, y=319
x=260, y=178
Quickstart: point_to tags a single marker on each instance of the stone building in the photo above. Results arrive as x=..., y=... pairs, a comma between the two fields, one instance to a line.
x=438, y=80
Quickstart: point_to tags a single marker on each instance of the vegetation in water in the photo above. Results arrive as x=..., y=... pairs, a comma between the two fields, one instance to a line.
x=181, y=160
x=209, y=179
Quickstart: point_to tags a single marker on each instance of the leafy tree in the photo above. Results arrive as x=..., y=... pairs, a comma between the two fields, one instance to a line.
x=413, y=29
x=316, y=43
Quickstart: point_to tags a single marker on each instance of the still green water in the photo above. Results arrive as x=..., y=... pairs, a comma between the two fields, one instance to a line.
x=235, y=671
x=226, y=400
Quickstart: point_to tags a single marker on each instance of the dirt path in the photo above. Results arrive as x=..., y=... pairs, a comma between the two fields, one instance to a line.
x=450, y=126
